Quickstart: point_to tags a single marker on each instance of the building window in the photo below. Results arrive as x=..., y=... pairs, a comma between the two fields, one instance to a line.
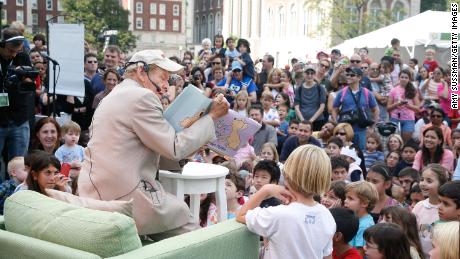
x=19, y=2
x=218, y=3
x=399, y=13
x=35, y=19
x=211, y=25
x=175, y=25
x=176, y=10
x=210, y=4
x=353, y=12
x=34, y=4
x=375, y=13
x=153, y=24
x=49, y=4
x=153, y=8
x=162, y=24
x=162, y=9
x=4, y=16
x=139, y=23
x=218, y=23
x=60, y=8
x=20, y=16
x=281, y=21
x=139, y=7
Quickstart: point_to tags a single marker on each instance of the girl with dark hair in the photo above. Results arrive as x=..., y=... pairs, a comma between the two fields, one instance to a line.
x=433, y=84
x=245, y=59
x=197, y=78
x=218, y=48
x=432, y=151
x=44, y=174
x=386, y=241
x=403, y=103
x=437, y=117
x=47, y=135
x=408, y=222
x=379, y=175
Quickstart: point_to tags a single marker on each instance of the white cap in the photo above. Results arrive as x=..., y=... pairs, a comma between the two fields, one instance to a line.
x=351, y=152
x=156, y=57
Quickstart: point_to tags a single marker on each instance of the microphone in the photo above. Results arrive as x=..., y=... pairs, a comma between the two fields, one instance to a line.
x=45, y=56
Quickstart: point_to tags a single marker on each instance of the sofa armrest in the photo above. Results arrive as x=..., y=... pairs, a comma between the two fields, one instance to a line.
x=228, y=239
x=2, y=223
x=18, y=246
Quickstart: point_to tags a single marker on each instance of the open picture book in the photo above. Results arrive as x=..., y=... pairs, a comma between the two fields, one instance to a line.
x=233, y=130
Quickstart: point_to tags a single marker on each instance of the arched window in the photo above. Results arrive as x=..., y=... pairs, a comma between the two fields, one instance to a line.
x=210, y=4
x=293, y=20
x=270, y=21
x=281, y=21
x=197, y=29
x=204, y=28
x=352, y=11
x=218, y=23
x=398, y=12
x=211, y=26
x=375, y=12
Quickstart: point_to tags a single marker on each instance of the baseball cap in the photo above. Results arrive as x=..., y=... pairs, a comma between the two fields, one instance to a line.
x=355, y=70
x=310, y=67
x=336, y=51
x=236, y=65
x=155, y=57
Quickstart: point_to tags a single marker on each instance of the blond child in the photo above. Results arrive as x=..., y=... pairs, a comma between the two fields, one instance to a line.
x=307, y=226
x=361, y=198
x=242, y=103
x=18, y=174
x=70, y=152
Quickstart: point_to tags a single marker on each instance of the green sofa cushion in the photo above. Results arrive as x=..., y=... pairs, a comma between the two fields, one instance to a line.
x=103, y=233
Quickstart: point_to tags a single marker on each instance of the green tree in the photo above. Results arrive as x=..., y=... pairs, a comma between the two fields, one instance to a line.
x=434, y=5
x=99, y=16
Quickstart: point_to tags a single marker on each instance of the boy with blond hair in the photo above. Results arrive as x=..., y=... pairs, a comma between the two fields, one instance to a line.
x=70, y=152
x=301, y=227
x=18, y=174
x=361, y=198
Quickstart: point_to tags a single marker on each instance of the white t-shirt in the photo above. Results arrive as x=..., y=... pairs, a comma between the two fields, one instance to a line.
x=294, y=231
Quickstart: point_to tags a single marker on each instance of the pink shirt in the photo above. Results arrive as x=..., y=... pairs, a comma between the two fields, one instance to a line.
x=443, y=102
x=447, y=160
x=404, y=113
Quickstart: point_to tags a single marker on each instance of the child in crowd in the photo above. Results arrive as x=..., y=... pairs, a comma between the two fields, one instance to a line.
x=415, y=195
x=374, y=150
x=293, y=127
x=449, y=195
x=282, y=130
x=245, y=59
x=206, y=48
x=266, y=172
x=302, y=228
x=445, y=240
x=407, y=177
x=283, y=98
x=335, y=197
x=231, y=51
x=347, y=227
x=288, y=89
x=208, y=209
x=44, y=174
x=70, y=152
x=340, y=168
x=407, y=156
x=271, y=116
x=334, y=145
x=274, y=84
x=242, y=103
x=408, y=222
x=18, y=174
x=165, y=102
x=361, y=198
x=426, y=211
x=355, y=172
x=386, y=241
x=234, y=190
x=429, y=62
x=379, y=176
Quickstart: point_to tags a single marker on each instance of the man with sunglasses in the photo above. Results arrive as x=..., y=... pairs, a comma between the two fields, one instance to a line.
x=355, y=97
x=90, y=66
x=236, y=81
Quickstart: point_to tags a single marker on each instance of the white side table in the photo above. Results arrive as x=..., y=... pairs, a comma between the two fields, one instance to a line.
x=195, y=179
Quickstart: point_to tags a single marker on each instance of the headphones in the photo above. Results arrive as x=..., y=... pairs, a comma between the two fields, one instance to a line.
x=145, y=65
x=12, y=39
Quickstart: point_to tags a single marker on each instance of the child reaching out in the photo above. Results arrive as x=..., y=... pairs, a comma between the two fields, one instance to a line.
x=307, y=227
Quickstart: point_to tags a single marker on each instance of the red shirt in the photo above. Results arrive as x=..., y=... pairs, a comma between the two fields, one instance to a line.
x=351, y=253
x=430, y=65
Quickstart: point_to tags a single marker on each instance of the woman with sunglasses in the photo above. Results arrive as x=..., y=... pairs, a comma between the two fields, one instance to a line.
x=437, y=116
x=345, y=132
x=433, y=152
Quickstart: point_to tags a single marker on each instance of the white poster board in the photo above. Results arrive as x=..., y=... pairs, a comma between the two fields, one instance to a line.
x=66, y=46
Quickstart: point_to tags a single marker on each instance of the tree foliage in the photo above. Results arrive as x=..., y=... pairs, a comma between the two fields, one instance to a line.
x=99, y=16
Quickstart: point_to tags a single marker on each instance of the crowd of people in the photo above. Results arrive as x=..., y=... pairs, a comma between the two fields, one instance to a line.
x=354, y=157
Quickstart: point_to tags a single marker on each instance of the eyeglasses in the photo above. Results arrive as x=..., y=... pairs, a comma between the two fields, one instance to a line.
x=355, y=61
x=341, y=133
x=92, y=61
x=216, y=63
x=324, y=66
x=351, y=75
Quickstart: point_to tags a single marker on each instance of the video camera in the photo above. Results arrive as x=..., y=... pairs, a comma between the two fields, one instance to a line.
x=16, y=75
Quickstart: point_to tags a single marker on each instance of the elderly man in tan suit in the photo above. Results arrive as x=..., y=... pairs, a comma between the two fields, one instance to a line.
x=128, y=136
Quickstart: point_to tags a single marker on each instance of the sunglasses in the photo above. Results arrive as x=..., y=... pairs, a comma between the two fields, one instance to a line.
x=351, y=75
x=91, y=62
x=216, y=63
x=324, y=66
x=355, y=61
x=341, y=133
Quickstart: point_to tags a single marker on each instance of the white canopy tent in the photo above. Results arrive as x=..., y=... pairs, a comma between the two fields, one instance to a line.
x=422, y=29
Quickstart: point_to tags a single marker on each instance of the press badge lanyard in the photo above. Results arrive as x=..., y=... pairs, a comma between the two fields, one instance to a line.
x=4, y=100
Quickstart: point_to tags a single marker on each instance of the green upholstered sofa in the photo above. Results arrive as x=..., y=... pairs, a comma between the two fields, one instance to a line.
x=35, y=226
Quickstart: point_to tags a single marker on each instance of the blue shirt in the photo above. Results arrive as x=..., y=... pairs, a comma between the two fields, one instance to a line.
x=6, y=189
x=349, y=104
x=364, y=223
x=67, y=154
x=371, y=158
x=236, y=85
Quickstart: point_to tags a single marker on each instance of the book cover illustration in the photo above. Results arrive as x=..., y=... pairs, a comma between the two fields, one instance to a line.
x=187, y=108
x=233, y=132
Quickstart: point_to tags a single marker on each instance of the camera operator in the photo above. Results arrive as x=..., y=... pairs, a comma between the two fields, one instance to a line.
x=197, y=79
x=17, y=91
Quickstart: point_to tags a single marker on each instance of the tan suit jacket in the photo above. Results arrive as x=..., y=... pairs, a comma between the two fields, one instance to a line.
x=128, y=135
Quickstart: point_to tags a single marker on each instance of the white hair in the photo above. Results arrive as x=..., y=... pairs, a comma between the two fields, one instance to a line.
x=206, y=40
